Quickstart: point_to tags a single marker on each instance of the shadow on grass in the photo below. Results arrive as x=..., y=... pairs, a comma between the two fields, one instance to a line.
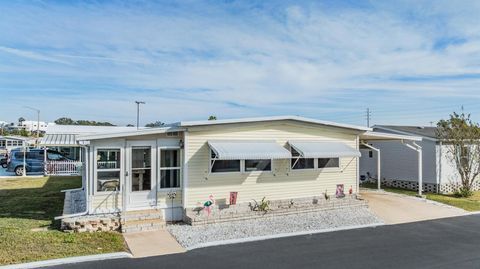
x=35, y=198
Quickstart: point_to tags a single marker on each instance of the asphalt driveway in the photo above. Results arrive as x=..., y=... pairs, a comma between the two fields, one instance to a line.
x=395, y=209
x=443, y=243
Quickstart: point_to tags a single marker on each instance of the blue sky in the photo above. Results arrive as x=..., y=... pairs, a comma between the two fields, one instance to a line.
x=411, y=62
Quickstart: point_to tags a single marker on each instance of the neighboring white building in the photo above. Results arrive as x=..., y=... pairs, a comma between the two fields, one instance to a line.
x=31, y=125
x=3, y=123
x=399, y=164
x=7, y=143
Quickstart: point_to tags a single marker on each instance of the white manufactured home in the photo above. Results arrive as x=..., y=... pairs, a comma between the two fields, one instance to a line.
x=399, y=164
x=188, y=166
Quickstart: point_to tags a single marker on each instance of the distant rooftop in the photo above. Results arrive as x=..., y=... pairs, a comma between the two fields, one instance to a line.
x=424, y=131
x=86, y=129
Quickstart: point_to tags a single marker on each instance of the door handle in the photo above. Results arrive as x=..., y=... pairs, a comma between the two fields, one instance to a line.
x=126, y=173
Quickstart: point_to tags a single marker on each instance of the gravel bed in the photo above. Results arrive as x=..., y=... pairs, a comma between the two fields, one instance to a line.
x=191, y=236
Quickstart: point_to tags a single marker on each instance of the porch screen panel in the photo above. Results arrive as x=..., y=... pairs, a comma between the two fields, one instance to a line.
x=108, y=170
x=141, y=168
x=169, y=168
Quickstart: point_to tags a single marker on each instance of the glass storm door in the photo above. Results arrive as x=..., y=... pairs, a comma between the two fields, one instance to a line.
x=141, y=179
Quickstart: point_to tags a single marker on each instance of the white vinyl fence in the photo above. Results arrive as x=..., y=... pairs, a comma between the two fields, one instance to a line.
x=63, y=168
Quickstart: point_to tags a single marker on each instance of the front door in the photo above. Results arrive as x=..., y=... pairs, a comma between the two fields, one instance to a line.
x=141, y=175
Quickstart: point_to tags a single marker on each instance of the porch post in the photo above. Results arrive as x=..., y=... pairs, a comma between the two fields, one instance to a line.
x=379, y=165
x=420, y=171
x=418, y=149
x=45, y=161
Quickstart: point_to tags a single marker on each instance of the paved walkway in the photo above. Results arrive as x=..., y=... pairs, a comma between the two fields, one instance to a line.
x=395, y=209
x=146, y=244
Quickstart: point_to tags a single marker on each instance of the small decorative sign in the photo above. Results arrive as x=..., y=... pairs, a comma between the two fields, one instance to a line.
x=340, y=191
x=233, y=197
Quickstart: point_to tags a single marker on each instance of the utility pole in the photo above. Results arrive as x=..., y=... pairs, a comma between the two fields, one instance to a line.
x=369, y=114
x=138, y=111
x=38, y=122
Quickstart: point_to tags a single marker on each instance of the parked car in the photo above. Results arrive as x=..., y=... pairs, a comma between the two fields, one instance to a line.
x=34, y=160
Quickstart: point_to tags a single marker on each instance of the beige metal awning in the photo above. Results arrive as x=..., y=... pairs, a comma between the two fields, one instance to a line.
x=323, y=149
x=251, y=150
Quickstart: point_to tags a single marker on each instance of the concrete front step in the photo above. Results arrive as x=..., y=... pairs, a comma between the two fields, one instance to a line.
x=143, y=225
x=140, y=215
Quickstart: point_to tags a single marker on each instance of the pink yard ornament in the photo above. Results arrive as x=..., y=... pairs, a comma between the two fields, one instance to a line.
x=207, y=206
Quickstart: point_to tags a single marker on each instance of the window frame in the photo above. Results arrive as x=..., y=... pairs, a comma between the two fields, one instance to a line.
x=96, y=170
x=160, y=168
x=301, y=169
x=210, y=166
x=256, y=171
x=330, y=167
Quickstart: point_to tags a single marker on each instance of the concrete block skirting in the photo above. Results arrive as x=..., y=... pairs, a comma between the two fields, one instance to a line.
x=227, y=213
x=92, y=223
x=427, y=187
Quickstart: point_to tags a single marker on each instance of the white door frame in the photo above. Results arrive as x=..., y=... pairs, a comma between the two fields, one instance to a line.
x=138, y=200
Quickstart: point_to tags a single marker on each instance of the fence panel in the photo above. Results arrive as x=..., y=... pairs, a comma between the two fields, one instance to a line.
x=63, y=168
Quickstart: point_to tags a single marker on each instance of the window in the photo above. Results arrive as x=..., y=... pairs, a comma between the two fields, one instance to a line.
x=370, y=154
x=301, y=163
x=169, y=168
x=108, y=159
x=258, y=165
x=464, y=156
x=221, y=166
x=141, y=168
x=108, y=170
x=9, y=143
x=55, y=156
x=2, y=143
x=328, y=163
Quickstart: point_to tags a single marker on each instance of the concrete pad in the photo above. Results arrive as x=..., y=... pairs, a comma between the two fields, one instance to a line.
x=395, y=208
x=152, y=243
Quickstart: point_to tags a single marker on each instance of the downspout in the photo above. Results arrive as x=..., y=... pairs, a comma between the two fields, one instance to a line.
x=125, y=175
x=85, y=188
x=440, y=159
x=379, y=167
x=184, y=184
x=418, y=148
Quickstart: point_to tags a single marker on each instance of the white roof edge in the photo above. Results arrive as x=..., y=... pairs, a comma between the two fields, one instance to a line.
x=405, y=133
x=390, y=136
x=273, y=118
x=159, y=130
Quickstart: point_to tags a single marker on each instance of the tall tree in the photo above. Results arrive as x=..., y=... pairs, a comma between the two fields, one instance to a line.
x=20, y=120
x=212, y=117
x=462, y=138
x=155, y=124
x=65, y=121
x=69, y=121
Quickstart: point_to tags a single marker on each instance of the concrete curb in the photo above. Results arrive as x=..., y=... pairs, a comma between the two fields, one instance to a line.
x=99, y=257
x=282, y=235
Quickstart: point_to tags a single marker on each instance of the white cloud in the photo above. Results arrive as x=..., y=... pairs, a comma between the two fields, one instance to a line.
x=255, y=57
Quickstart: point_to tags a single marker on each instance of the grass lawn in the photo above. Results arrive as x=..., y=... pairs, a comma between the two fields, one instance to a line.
x=470, y=204
x=27, y=230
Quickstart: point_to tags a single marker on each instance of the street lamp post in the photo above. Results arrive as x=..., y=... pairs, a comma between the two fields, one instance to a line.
x=138, y=111
x=38, y=122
